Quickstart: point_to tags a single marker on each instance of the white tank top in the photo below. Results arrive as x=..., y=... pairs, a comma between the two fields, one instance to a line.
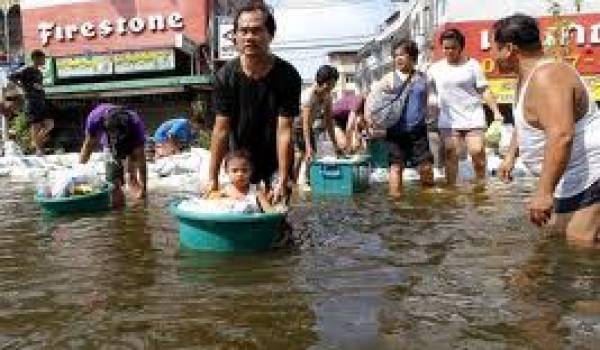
x=583, y=168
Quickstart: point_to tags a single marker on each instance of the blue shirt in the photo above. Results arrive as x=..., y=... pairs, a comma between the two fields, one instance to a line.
x=415, y=108
x=179, y=128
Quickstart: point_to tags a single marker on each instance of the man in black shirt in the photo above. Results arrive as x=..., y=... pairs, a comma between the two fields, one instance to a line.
x=31, y=80
x=256, y=98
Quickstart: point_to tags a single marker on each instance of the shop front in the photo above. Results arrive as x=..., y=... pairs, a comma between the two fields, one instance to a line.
x=147, y=54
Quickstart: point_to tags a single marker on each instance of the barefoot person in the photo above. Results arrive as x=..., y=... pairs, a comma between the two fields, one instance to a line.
x=257, y=96
x=557, y=131
x=407, y=138
x=31, y=80
x=121, y=132
x=460, y=86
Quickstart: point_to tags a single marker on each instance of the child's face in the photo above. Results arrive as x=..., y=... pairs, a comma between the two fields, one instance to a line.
x=239, y=172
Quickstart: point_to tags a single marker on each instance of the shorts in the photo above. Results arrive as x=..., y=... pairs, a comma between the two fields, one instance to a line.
x=579, y=201
x=35, y=111
x=409, y=148
x=341, y=123
x=115, y=172
x=446, y=132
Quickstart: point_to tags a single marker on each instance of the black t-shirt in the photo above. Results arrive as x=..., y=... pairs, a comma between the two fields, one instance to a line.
x=254, y=106
x=32, y=81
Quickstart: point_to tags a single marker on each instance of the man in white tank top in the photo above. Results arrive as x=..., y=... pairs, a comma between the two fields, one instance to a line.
x=557, y=132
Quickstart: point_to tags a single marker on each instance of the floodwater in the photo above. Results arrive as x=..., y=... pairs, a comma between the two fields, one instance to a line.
x=442, y=270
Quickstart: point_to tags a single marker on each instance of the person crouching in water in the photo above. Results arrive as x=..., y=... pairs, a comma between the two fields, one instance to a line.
x=120, y=131
x=238, y=167
x=174, y=135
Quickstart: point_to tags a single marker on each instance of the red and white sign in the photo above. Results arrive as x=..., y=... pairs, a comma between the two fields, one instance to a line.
x=585, y=54
x=63, y=28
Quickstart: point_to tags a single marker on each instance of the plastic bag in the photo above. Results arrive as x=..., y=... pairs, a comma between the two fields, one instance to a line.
x=494, y=134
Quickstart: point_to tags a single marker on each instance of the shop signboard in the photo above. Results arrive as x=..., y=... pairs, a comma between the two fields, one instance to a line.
x=83, y=66
x=144, y=61
x=225, y=44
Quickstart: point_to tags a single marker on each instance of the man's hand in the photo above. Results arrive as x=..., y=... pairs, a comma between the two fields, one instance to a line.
x=540, y=208
x=280, y=193
x=506, y=168
x=308, y=154
x=498, y=116
x=208, y=190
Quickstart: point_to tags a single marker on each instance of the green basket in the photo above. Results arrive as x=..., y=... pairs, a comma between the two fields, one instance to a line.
x=92, y=202
x=230, y=232
x=380, y=155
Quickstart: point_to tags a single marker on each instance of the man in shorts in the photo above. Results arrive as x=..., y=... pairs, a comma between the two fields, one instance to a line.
x=31, y=80
x=120, y=131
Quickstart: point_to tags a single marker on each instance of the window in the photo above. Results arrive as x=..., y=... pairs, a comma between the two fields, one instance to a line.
x=350, y=78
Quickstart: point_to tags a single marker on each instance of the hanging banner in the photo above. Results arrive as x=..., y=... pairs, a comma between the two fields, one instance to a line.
x=83, y=66
x=144, y=61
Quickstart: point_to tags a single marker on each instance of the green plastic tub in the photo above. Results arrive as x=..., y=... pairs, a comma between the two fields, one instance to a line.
x=378, y=150
x=93, y=202
x=341, y=176
x=227, y=232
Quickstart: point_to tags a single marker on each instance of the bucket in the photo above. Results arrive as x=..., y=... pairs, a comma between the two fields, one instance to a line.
x=91, y=202
x=227, y=232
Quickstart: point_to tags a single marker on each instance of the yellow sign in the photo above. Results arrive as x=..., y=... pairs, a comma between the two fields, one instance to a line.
x=144, y=61
x=504, y=88
x=83, y=66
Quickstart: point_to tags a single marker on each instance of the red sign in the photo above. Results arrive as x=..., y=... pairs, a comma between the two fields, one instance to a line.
x=100, y=26
x=585, y=48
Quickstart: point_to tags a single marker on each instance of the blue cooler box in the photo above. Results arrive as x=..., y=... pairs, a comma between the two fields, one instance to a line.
x=343, y=176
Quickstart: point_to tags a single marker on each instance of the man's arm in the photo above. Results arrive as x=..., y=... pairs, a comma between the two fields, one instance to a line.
x=306, y=128
x=88, y=146
x=490, y=100
x=218, y=148
x=139, y=159
x=285, y=154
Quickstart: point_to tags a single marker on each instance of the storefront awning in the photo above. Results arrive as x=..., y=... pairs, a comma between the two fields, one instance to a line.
x=151, y=86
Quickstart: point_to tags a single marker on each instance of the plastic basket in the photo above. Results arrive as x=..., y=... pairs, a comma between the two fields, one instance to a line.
x=379, y=153
x=230, y=232
x=92, y=202
x=340, y=177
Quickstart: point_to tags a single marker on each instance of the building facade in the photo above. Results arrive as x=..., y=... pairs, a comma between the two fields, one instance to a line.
x=424, y=20
x=148, y=54
x=345, y=63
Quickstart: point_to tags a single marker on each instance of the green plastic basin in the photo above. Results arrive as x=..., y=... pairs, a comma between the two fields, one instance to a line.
x=92, y=202
x=230, y=232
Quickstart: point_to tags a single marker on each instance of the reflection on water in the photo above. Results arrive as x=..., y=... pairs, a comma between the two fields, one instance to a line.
x=442, y=269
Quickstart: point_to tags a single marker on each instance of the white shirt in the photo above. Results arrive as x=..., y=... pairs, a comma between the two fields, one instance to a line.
x=458, y=98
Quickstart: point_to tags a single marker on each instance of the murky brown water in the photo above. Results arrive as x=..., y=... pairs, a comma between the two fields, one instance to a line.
x=449, y=270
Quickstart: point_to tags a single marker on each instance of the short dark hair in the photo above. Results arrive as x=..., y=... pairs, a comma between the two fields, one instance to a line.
x=326, y=73
x=409, y=46
x=520, y=30
x=453, y=34
x=37, y=53
x=257, y=6
x=238, y=154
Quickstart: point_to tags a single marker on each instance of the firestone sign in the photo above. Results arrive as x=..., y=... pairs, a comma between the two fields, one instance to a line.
x=106, y=28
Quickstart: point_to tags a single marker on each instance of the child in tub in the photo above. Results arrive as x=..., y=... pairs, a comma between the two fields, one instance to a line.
x=244, y=196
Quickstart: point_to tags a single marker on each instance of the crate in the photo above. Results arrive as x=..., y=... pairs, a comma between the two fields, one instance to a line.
x=339, y=176
x=379, y=153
